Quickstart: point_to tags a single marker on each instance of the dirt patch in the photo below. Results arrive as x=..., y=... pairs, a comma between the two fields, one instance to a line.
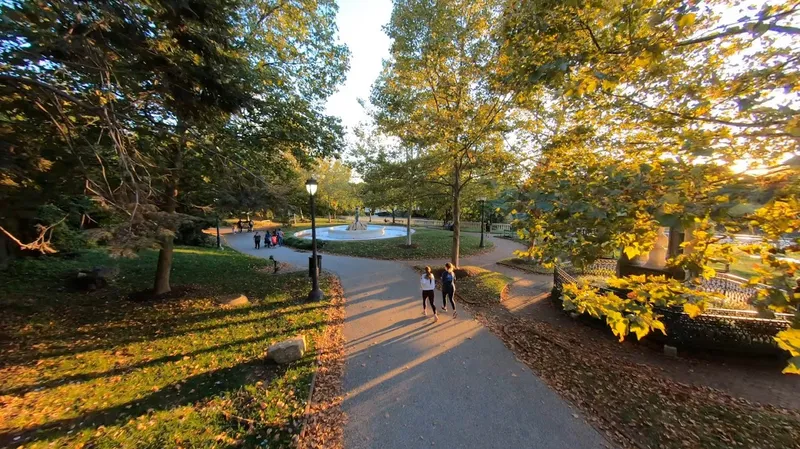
x=324, y=420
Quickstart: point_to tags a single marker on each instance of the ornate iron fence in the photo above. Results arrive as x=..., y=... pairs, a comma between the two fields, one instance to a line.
x=733, y=330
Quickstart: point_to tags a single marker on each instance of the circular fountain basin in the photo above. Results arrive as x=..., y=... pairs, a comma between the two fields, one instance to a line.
x=373, y=232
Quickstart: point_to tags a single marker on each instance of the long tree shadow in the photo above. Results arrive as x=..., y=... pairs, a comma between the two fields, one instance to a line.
x=85, y=377
x=193, y=389
x=154, y=330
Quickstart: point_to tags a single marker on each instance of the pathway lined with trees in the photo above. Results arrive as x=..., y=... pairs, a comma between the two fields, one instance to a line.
x=409, y=383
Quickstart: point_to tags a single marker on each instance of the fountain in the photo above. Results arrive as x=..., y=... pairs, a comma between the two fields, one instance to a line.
x=356, y=230
x=357, y=225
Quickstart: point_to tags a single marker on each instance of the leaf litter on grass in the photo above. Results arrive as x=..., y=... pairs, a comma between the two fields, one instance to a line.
x=636, y=405
x=324, y=422
x=98, y=371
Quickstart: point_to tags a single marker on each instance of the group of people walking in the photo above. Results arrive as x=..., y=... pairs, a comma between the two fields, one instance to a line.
x=271, y=239
x=240, y=225
x=448, y=283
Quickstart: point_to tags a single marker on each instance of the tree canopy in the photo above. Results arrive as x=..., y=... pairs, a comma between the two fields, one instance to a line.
x=160, y=107
x=436, y=93
x=660, y=113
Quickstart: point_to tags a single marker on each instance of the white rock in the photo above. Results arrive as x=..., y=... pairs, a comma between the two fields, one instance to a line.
x=233, y=300
x=287, y=351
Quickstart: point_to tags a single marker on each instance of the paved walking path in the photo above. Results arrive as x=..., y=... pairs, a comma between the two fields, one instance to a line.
x=412, y=384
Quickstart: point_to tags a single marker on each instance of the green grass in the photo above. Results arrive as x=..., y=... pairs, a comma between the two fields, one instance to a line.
x=426, y=244
x=97, y=370
x=525, y=265
x=476, y=285
x=743, y=263
x=482, y=286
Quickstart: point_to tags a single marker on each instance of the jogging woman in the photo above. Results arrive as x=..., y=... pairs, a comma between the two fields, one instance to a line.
x=428, y=284
x=449, y=288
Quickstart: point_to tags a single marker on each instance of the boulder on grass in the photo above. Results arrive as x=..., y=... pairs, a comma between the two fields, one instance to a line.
x=94, y=279
x=287, y=351
x=233, y=300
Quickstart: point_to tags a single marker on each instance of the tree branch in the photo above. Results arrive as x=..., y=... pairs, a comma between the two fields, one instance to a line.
x=698, y=118
x=51, y=88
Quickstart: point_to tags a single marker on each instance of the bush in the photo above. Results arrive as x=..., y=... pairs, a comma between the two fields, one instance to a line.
x=66, y=238
x=296, y=242
x=190, y=233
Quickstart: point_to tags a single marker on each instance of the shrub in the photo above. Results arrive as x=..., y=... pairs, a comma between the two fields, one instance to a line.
x=296, y=242
x=190, y=233
x=66, y=238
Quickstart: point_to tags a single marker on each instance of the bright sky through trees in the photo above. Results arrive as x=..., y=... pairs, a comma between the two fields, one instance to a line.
x=360, y=23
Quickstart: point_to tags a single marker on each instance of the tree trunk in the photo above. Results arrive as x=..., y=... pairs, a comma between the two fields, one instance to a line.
x=456, y=217
x=408, y=226
x=393, y=216
x=164, y=267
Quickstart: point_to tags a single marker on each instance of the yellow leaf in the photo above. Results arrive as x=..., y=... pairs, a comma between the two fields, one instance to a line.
x=686, y=20
x=655, y=324
x=640, y=329
x=793, y=367
x=620, y=328
x=789, y=340
x=692, y=310
x=631, y=252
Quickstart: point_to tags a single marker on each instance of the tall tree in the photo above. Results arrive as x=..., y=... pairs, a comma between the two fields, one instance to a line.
x=142, y=95
x=337, y=192
x=395, y=175
x=435, y=92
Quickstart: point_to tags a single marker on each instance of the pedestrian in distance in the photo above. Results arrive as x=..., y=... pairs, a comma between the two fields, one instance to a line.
x=250, y=226
x=280, y=237
x=428, y=284
x=257, y=239
x=239, y=225
x=449, y=288
x=267, y=239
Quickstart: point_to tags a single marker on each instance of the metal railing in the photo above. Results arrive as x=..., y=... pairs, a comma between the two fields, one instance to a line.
x=736, y=330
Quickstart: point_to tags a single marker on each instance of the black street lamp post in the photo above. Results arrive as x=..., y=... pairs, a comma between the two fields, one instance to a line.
x=316, y=293
x=482, y=201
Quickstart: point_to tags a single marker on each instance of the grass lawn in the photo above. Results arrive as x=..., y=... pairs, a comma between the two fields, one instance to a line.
x=525, y=265
x=97, y=370
x=476, y=285
x=426, y=244
x=742, y=265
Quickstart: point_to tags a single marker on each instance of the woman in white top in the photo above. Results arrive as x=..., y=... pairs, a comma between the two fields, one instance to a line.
x=428, y=284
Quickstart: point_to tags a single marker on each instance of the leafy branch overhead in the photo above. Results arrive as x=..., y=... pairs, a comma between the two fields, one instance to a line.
x=660, y=114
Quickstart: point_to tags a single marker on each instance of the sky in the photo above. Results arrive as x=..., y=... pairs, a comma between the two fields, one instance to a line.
x=360, y=23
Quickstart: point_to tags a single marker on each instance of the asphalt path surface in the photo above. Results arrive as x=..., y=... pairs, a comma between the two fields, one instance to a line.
x=413, y=383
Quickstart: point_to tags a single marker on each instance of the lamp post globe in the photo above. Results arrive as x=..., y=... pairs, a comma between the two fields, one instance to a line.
x=316, y=293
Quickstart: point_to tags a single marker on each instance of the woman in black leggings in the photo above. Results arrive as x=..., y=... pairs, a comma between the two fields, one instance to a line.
x=428, y=284
x=449, y=288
